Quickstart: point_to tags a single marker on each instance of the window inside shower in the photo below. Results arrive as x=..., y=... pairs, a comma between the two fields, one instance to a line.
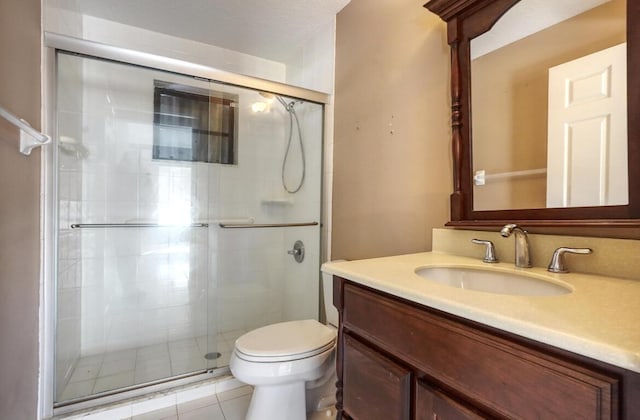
x=192, y=124
x=165, y=257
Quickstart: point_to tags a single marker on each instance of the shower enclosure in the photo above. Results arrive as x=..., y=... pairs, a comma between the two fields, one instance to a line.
x=175, y=229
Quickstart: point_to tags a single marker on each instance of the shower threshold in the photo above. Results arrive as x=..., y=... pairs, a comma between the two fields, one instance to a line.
x=144, y=392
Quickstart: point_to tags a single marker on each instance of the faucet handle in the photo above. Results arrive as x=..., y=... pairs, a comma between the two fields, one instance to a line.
x=489, y=251
x=557, y=260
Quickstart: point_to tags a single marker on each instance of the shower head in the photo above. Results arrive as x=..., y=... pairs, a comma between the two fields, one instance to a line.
x=270, y=96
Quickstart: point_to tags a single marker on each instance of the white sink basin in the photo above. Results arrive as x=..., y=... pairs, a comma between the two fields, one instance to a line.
x=491, y=281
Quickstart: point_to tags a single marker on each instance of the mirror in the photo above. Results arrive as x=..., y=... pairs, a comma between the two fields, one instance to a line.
x=548, y=93
x=505, y=132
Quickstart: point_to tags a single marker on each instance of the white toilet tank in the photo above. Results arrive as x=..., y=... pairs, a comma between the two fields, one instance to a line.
x=327, y=290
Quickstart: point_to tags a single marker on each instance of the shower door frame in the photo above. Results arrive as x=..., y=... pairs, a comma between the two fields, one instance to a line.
x=49, y=194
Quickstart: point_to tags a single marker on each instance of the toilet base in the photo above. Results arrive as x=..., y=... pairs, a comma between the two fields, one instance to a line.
x=321, y=393
x=283, y=402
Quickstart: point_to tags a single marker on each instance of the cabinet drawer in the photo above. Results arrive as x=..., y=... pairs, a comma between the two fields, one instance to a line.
x=500, y=375
x=374, y=386
x=433, y=404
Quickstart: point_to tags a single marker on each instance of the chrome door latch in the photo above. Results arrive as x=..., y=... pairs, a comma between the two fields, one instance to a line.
x=297, y=251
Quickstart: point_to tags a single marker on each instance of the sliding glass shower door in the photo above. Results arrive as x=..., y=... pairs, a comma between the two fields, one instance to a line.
x=175, y=218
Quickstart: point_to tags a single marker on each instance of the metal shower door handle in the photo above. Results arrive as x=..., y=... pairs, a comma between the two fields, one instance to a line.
x=297, y=251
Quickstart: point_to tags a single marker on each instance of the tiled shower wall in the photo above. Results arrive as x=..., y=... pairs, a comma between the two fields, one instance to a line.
x=133, y=287
x=250, y=269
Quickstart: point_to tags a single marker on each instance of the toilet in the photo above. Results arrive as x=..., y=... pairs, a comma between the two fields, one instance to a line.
x=291, y=365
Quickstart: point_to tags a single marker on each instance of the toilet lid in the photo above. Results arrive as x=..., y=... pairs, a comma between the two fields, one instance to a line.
x=290, y=340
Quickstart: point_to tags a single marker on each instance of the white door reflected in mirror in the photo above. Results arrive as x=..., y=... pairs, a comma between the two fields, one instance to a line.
x=587, y=131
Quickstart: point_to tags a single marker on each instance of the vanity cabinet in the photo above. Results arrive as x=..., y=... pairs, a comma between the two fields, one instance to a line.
x=375, y=386
x=401, y=360
x=433, y=404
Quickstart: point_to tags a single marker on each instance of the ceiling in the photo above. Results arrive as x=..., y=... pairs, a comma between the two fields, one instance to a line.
x=271, y=29
x=526, y=18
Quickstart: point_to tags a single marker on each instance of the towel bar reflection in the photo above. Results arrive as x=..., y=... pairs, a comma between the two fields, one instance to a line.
x=264, y=225
x=481, y=177
x=29, y=137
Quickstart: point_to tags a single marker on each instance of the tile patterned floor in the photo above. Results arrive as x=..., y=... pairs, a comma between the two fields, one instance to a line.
x=109, y=371
x=230, y=405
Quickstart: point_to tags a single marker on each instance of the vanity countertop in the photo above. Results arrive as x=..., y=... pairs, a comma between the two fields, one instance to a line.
x=599, y=319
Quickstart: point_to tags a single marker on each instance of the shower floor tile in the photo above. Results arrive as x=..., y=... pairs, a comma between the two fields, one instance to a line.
x=150, y=372
x=85, y=372
x=129, y=354
x=78, y=389
x=153, y=352
x=112, y=370
x=179, y=367
x=113, y=367
x=107, y=383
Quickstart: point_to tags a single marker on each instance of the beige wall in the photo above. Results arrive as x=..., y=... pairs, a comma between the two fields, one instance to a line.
x=20, y=47
x=392, y=165
x=510, y=98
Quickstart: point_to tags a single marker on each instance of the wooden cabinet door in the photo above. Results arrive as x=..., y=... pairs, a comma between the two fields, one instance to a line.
x=433, y=404
x=374, y=386
x=497, y=374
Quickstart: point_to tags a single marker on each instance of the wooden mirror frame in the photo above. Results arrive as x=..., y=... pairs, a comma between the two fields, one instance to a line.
x=467, y=19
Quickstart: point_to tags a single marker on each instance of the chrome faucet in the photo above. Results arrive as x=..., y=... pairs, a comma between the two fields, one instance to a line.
x=523, y=256
x=557, y=264
x=489, y=250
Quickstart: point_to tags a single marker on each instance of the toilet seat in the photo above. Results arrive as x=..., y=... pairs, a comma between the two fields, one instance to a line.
x=285, y=341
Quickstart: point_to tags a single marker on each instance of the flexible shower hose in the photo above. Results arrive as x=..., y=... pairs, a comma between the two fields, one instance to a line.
x=292, y=115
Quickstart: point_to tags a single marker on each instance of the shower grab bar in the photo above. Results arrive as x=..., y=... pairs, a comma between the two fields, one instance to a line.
x=199, y=220
x=264, y=225
x=132, y=225
x=30, y=138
